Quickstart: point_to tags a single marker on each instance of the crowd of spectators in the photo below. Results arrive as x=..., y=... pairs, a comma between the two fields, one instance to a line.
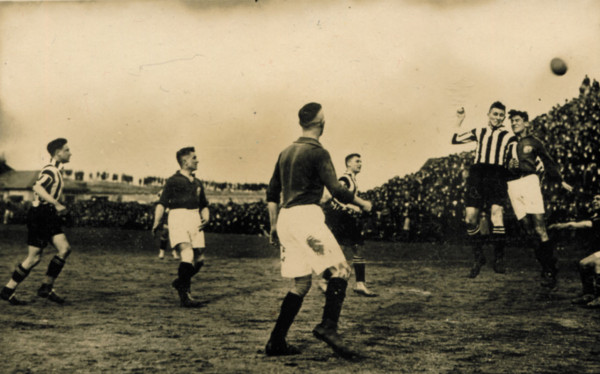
x=426, y=205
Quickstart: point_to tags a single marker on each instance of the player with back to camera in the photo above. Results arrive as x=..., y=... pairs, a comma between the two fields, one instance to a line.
x=525, y=192
x=589, y=267
x=44, y=226
x=345, y=224
x=302, y=171
x=486, y=183
x=184, y=196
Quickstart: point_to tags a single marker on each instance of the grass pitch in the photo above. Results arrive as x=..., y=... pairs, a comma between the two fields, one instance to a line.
x=123, y=317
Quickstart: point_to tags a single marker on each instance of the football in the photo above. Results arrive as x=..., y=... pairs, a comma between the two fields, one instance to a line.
x=558, y=66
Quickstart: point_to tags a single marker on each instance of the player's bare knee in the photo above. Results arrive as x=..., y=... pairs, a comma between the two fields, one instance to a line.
x=497, y=216
x=302, y=285
x=341, y=271
x=64, y=252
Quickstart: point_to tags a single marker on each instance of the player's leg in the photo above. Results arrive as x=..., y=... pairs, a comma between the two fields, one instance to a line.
x=163, y=243
x=587, y=272
x=55, y=267
x=21, y=272
x=474, y=239
x=359, y=263
x=498, y=237
x=334, y=300
x=545, y=252
x=277, y=345
x=184, y=274
x=198, y=264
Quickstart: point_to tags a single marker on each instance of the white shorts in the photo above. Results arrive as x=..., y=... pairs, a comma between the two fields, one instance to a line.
x=526, y=196
x=307, y=245
x=183, y=228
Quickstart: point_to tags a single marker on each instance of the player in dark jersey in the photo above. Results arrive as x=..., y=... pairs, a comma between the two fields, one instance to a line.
x=525, y=192
x=184, y=196
x=302, y=171
x=345, y=224
x=44, y=226
x=486, y=183
x=589, y=267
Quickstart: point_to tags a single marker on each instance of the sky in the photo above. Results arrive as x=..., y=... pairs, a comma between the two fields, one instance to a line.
x=128, y=83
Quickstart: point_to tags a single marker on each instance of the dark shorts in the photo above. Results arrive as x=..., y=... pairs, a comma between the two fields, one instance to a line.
x=486, y=185
x=346, y=228
x=43, y=223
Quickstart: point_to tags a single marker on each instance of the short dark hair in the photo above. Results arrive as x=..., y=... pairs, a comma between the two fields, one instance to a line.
x=350, y=157
x=308, y=112
x=497, y=105
x=56, y=145
x=184, y=152
x=518, y=113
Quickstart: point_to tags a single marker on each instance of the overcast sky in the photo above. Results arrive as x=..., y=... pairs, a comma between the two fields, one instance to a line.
x=129, y=83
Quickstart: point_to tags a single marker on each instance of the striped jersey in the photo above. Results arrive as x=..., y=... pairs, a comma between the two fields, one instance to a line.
x=491, y=144
x=51, y=180
x=349, y=181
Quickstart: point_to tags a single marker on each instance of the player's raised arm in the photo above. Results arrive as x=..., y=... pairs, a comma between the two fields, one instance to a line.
x=463, y=137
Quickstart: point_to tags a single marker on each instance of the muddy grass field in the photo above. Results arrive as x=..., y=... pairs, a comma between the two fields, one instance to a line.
x=123, y=317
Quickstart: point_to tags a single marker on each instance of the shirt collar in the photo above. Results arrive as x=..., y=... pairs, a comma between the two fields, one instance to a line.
x=56, y=163
x=307, y=140
x=179, y=173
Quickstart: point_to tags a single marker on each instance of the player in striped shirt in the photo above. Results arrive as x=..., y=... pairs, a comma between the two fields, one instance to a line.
x=486, y=184
x=44, y=226
x=345, y=224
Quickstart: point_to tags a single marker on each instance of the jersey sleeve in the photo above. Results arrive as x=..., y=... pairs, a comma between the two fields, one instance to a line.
x=550, y=167
x=274, y=188
x=464, y=138
x=165, y=196
x=344, y=181
x=329, y=179
x=202, y=200
x=45, y=179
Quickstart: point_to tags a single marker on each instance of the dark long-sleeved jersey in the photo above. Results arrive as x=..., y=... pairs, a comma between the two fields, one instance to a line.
x=529, y=150
x=302, y=171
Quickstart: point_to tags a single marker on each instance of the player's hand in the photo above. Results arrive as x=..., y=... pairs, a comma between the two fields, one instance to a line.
x=154, y=229
x=513, y=164
x=61, y=210
x=567, y=186
x=367, y=206
x=274, y=238
x=203, y=224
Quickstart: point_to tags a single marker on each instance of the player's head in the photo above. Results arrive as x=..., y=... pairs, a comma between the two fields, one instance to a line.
x=59, y=150
x=353, y=163
x=596, y=202
x=496, y=114
x=186, y=157
x=311, y=117
x=519, y=121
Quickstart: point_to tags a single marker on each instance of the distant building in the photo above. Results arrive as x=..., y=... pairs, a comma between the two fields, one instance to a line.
x=16, y=185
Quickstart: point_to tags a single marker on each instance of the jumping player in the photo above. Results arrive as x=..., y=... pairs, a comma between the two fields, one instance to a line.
x=307, y=245
x=486, y=184
x=589, y=267
x=525, y=192
x=184, y=196
x=44, y=226
x=343, y=221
